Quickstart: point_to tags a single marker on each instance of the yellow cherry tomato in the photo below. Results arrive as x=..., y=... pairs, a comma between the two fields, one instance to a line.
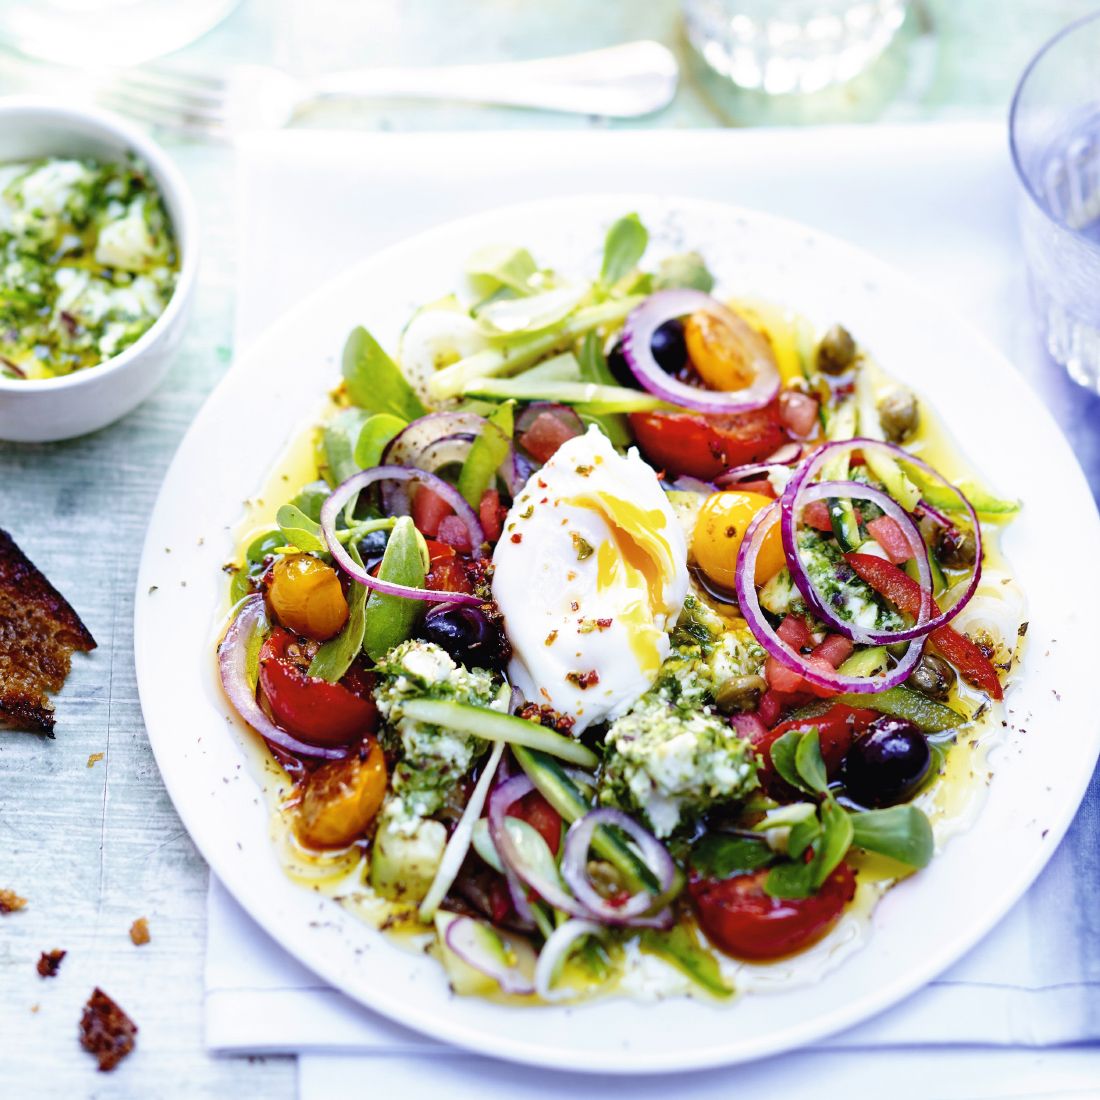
x=719, y=529
x=307, y=598
x=341, y=799
x=725, y=354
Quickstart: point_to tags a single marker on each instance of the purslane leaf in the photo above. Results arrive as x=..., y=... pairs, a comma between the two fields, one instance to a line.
x=374, y=381
x=335, y=656
x=903, y=833
x=625, y=245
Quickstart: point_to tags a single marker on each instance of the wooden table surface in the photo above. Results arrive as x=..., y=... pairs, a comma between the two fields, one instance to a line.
x=92, y=846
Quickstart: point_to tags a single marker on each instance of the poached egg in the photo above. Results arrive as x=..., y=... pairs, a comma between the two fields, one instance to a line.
x=590, y=575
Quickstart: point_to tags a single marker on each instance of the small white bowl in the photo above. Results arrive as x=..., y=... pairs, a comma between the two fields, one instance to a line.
x=47, y=409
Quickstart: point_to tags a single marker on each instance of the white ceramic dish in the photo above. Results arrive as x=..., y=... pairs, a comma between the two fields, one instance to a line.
x=42, y=410
x=922, y=926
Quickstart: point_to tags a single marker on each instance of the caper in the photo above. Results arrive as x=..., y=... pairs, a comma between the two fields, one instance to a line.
x=956, y=549
x=740, y=693
x=899, y=415
x=933, y=677
x=836, y=352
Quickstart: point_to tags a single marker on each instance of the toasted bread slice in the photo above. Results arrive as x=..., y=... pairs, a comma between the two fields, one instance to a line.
x=38, y=633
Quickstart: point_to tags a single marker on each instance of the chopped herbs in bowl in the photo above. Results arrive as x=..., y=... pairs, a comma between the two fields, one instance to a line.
x=89, y=262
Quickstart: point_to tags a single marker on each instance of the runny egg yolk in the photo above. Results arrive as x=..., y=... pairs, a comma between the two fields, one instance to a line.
x=719, y=530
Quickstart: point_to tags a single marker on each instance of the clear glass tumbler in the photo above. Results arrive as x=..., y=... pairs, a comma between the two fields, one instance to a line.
x=1054, y=130
x=782, y=46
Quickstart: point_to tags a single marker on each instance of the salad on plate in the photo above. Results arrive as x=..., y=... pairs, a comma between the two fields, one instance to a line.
x=616, y=635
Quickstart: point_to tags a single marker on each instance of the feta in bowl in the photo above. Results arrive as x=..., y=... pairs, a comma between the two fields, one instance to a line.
x=98, y=252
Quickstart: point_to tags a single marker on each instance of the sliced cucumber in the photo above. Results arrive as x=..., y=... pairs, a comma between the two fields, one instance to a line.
x=864, y=663
x=596, y=397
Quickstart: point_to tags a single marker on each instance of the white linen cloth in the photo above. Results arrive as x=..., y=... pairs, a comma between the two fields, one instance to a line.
x=937, y=202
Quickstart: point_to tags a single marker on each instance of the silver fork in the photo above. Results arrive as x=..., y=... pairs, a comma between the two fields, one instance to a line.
x=624, y=81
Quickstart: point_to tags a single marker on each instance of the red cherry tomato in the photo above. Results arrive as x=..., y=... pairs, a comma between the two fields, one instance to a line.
x=739, y=918
x=541, y=816
x=428, y=511
x=315, y=710
x=447, y=573
x=704, y=445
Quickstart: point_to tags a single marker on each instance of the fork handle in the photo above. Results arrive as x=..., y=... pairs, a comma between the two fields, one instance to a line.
x=624, y=81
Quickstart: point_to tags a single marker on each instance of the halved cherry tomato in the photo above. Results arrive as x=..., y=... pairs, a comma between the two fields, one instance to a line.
x=887, y=532
x=342, y=797
x=742, y=920
x=905, y=594
x=446, y=573
x=704, y=445
x=491, y=513
x=307, y=597
x=428, y=510
x=719, y=530
x=315, y=710
x=541, y=816
x=836, y=729
x=546, y=434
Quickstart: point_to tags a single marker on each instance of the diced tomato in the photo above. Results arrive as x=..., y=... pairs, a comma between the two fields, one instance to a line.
x=492, y=513
x=704, y=445
x=905, y=594
x=546, y=434
x=816, y=515
x=740, y=918
x=771, y=707
x=835, y=649
x=540, y=815
x=887, y=532
x=795, y=632
x=835, y=728
x=312, y=708
x=454, y=532
x=447, y=573
x=798, y=412
x=788, y=682
x=428, y=510
x=500, y=900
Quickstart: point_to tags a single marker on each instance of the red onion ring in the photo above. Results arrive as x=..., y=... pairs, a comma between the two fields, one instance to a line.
x=822, y=490
x=635, y=910
x=330, y=510
x=665, y=305
x=764, y=633
x=790, y=499
x=508, y=792
x=241, y=692
x=462, y=939
x=555, y=951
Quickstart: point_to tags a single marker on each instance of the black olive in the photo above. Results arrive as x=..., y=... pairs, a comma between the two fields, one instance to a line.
x=669, y=349
x=467, y=635
x=887, y=764
x=956, y=549
x=933, y=677
x=836, y=352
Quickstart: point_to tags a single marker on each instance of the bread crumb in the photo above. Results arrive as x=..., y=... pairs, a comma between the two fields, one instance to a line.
x=11, y=902
x=50, y=963
x=94, y=759
x=139, y=932
x=106, y=1031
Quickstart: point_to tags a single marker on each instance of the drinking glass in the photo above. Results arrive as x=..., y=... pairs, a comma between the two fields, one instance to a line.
x=781, y=46
x=1054, y=131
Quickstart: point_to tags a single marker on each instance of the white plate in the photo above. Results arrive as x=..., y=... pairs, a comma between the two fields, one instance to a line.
x=922, y=926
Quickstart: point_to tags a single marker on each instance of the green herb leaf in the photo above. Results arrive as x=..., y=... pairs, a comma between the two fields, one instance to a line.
x=900, y=832
x=239, y=586
x=312, y=498
x=681, y=947
x=624, y=247
x=496, y=266
x=687, y=270
x=262, y=545
x=299, y=530
x=809, y=763
x=390, y=619
x=801, y=836
x=335, y=657
x=594, y=368
x=835, y=841
x=489, y=450
x=790, y=880
x=375, y=433
x=374, y=381
x=338, y=439
x=719, y=855
x=784, y=753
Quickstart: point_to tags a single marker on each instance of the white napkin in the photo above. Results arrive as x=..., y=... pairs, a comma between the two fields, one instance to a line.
x=933, y=200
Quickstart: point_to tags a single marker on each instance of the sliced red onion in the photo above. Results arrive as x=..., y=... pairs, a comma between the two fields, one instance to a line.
x=550, y=891
x=554, y=953
x=516, y=471
x=330, y=510
x=465, y=936
x=765, y=634
x=403, y=449
x=635, y=909
x=563, y=413
x=241, y=692
x=804, y=477
x=733, y=478
x=686, y=484
x=926, y=509
x=856, y=490
x=787, y=454
x=665, y=305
